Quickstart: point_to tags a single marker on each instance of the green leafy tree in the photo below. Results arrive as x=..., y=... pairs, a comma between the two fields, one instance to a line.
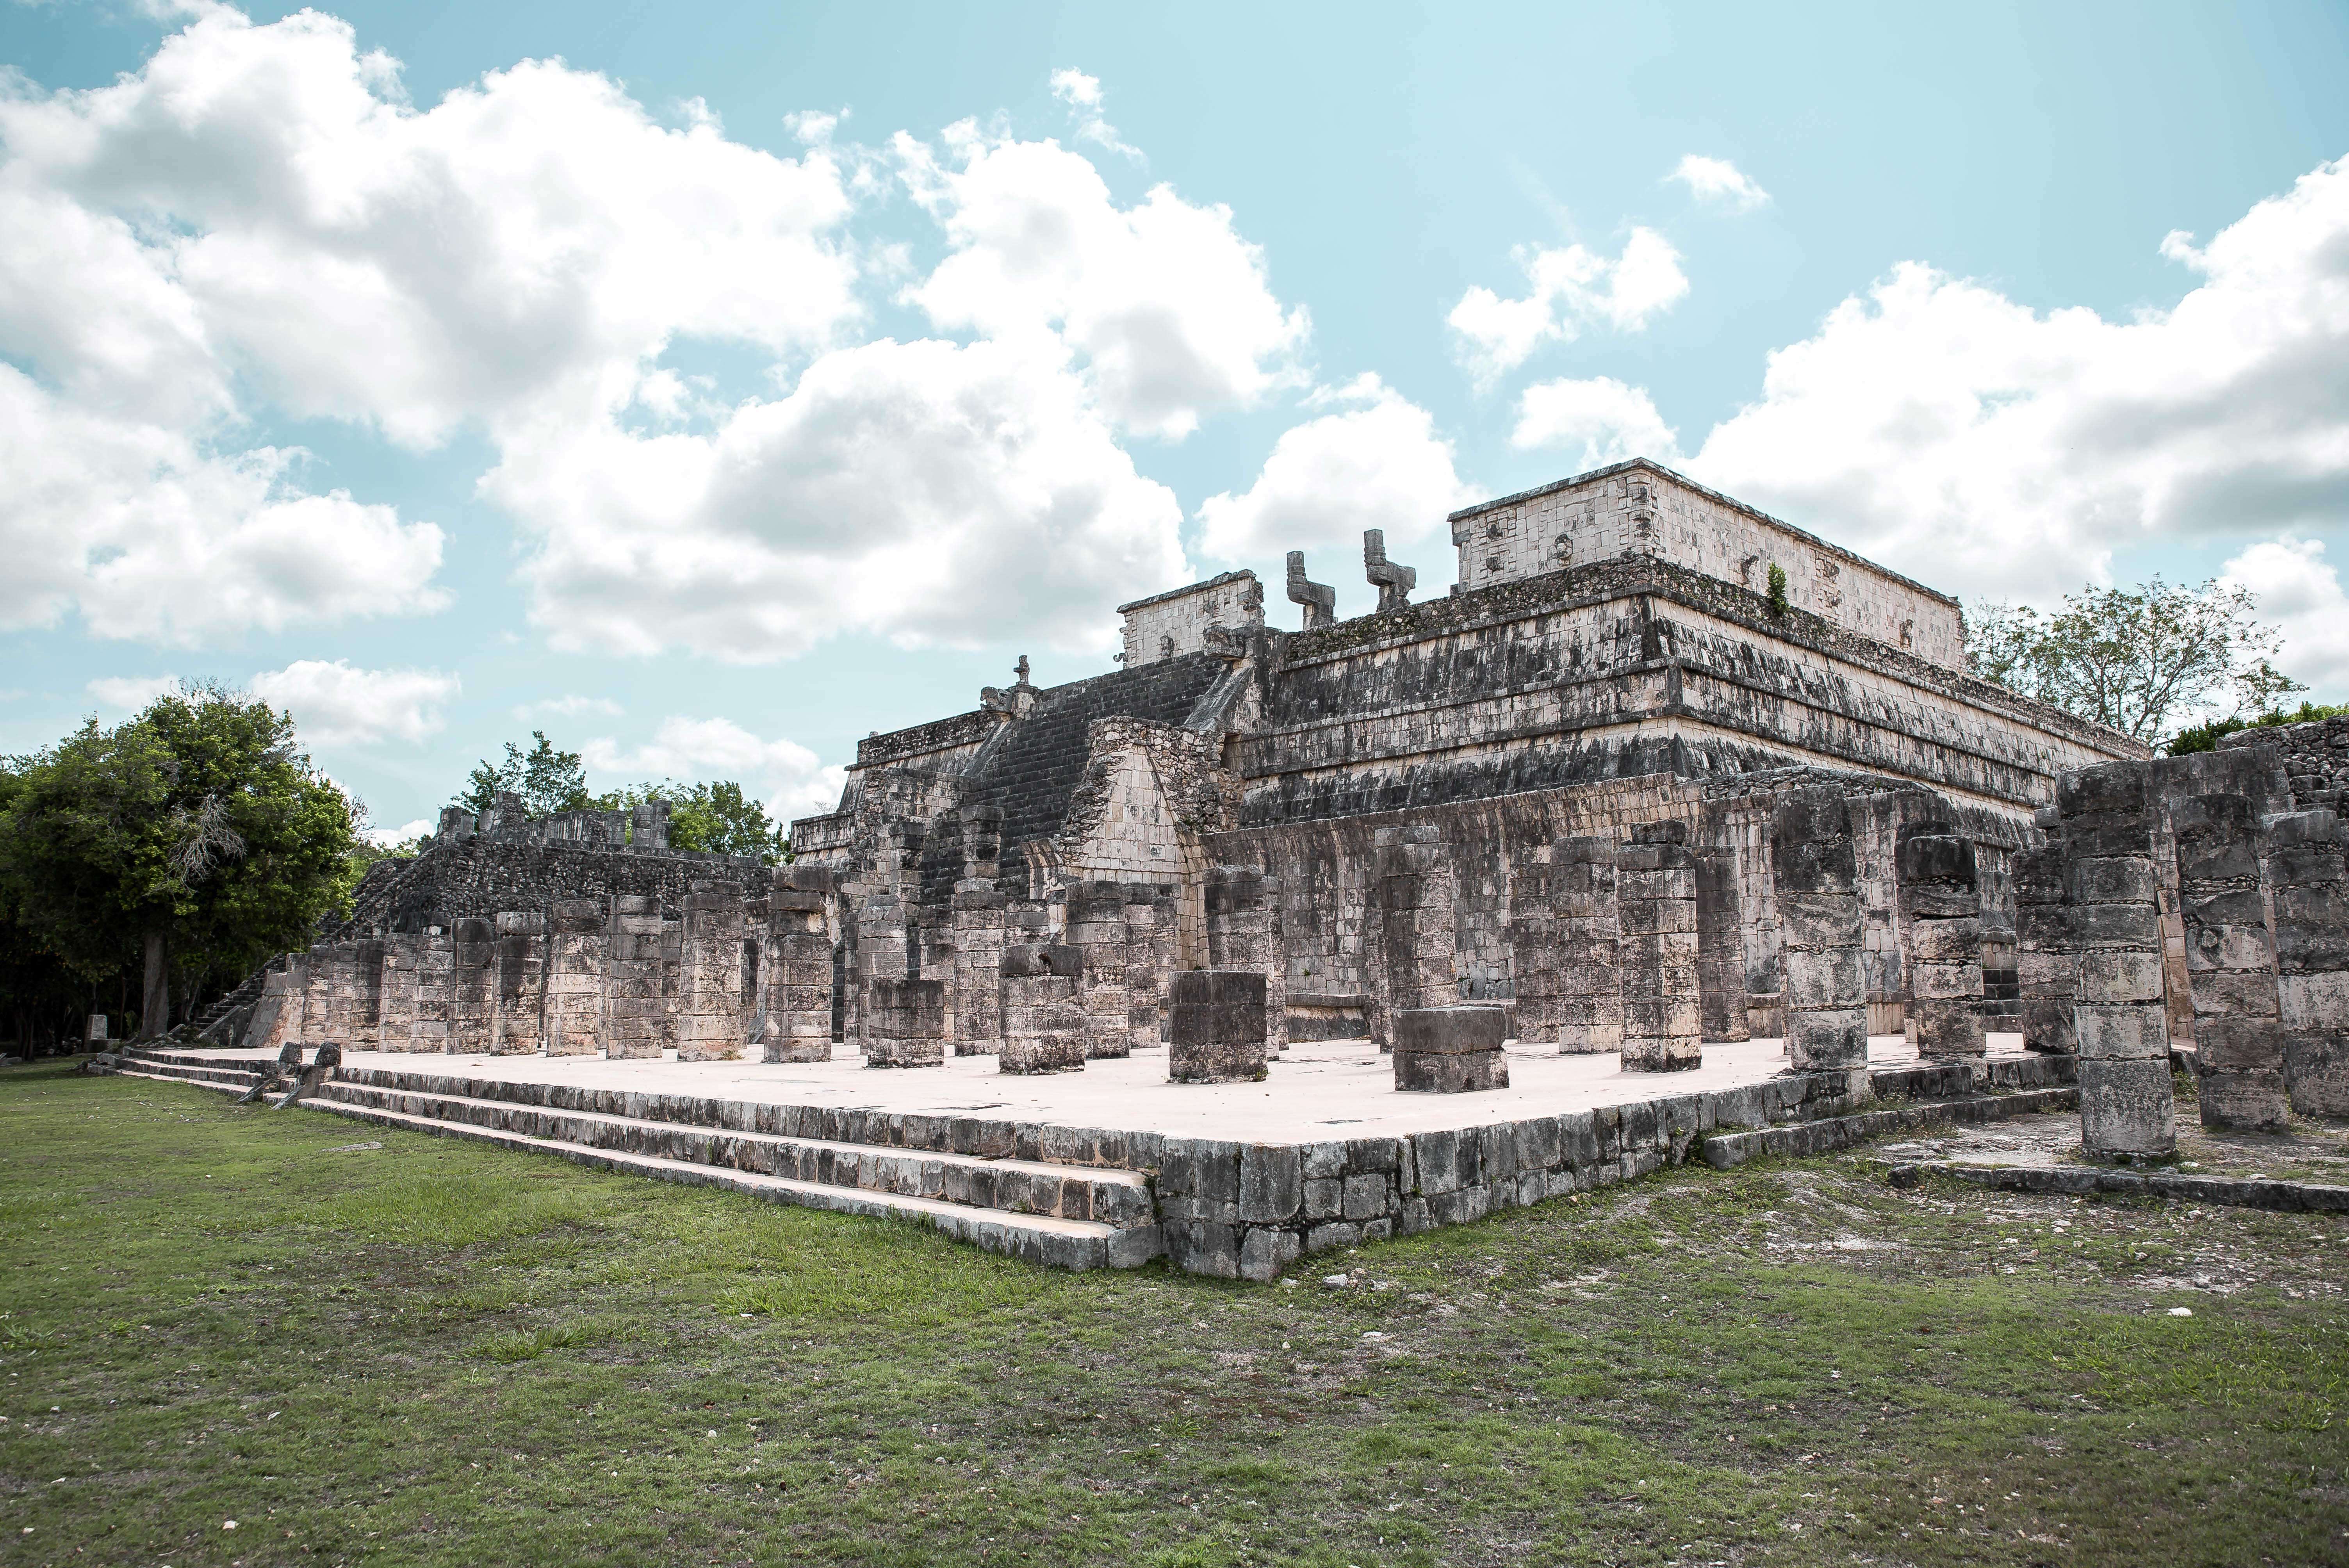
x=2140, y=660
x=196, y=839
x=547, y=780
x=717, y=817
x=2206, y=736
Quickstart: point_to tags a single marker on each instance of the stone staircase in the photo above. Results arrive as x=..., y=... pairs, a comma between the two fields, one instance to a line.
x=164, y=1064
x=1068, y=1215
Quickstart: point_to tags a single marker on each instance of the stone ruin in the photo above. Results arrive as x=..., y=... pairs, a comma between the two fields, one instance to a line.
x=1606, y=795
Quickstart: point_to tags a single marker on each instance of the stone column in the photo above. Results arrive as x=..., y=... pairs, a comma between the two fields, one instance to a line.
x=672, y=979
x=1590, y=984
x=1043, y=1020
x=1097, y=931
x=1534, y=941
x=1242, y=916
x=1941, y=939
x=2231, y=966
x=2301, y=855
x=978, y=913
x=277, y=1016
x=1815, y=876
x=1720, y=947
x=521, y=1027
x=472, y=1010
x=366, y=994
x=633, y=1003
x=2046, y=951
x=1217, y=1026
x=397, y=1030
x=799, y=968
x=435, y=990
x=1451, y=1050
x=1655, y=887
x=1145, y=982
x=880, y=952
x=1413, y=920
x=2126, y=1106
x=575, y=978
x=710, y=976
x=908, y=1026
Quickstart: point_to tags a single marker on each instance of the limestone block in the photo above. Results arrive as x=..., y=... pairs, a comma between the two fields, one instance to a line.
x=1218, y=1026
x=575, y=977
x=436, y=980
x=710, y=1025
x=473, y=1005
x=633, y=999
x=1043, y=1022
x=1655, y=887
x=1097, y=931
x=2230, y=964
x=2126, y=1103
x=519, y=1023
x=908, y=1024
x=2303, y=866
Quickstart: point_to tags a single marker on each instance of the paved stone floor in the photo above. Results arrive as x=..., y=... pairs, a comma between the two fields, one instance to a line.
x=1321, y=1089
x=2309, y=1151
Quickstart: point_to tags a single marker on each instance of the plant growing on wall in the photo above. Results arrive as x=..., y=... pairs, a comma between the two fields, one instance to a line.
x=1777, y=589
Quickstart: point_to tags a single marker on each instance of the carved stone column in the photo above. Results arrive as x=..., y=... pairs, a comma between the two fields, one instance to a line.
x=710, y=1021
x=575, y=978
x=2302, y=854
x=908, y=1026
x=2126, y=1105
x=473, y=1013
x=1815, y=875
x=1941, y=938
x=1218, y=1026
x=1410, y=957
x=2230, y=964
x=2047, y=951
x=633, y=1000
x=436, y=997
x=799, y=968
x=518, y=1028
x=1589, y=978
x=1097, y=931
x=1655, y=888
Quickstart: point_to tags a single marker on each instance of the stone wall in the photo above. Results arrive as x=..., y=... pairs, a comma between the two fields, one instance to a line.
x=1198, y=619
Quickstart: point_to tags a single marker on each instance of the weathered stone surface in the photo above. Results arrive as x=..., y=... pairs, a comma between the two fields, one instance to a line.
x=1044, y=1022
x=2301, y=857
x=1655, y=889
x=1814, y=874
x=907, y=1027
x=1941, y=939
x=2126, y=1104
x=1451, y=1050
x=1218, y=1028
x=710, y=1022
x=633, y=1004
x=2239, y=1035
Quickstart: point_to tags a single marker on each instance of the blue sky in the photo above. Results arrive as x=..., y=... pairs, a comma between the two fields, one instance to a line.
x=738, y=379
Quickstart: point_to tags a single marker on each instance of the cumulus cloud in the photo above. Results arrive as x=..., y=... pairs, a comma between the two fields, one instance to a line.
x=2300, y=591
x=1082, y=94
x=928, y=493
x=260, y=207
x=1171, y=310
x=1719, y=181
x=130, y=693
x=795, y=782
x=1378, y=463
x=1989, y=448
x=570, y=707
x=336, y=705
x=1605, y=419
x=386, y=838
x=1569, y=289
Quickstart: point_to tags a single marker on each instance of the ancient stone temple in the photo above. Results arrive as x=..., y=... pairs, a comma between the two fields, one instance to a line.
x=1430, y=792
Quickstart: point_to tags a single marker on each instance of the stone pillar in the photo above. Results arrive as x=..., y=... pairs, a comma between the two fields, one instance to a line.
x=472, y=1010
x=2126, y=1106
x=1451, y=1050
x=435, y=990
x=2046, y=951
x=1655, y=887
x=575, y=978
x=978, y=913
x=2302, y=856
x=1145, y=982
x=633, y=1003
x=1044, y=1021
x=710, y=976
x=397, y=1030
x=1590, y=984
x=1412, y=932
x=1097, y=931
x=521, y=1022
x=1533, y=929
x=1941, y=939
x=799, y=968
x=277, y=1016
x=1720, y=947
x=1814, y=877
x=366, y=994
x=907, y=1023
x=2231, y=966
x=1218, y=1025
x=1165, y=940
x=672, y=979
x=880, y=952
x=94, y=1030
x=1242, y=917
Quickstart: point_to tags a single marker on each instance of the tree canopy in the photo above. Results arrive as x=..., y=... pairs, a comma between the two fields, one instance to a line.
x=712, y=815
x=548, y=780
x=2145, y=661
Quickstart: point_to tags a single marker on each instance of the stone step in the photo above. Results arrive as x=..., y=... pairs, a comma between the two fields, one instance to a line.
x=1117, y=1198
x=1033, y=1238
x=227, y=1082
x=1723, y=1149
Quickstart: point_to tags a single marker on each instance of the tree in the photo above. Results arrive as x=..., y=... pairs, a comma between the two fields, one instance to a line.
x=2206, y=736
x=547, y=780
x=716, y=816
x=2140, y=660
x=192, y=841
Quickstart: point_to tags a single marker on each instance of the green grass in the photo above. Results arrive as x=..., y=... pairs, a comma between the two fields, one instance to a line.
x=435, y=1352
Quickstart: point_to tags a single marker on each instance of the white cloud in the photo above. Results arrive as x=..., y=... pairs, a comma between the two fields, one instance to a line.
x=1606, y=419
x=1988, y=448
x=130, y=693
x=1718, y=179
x=1169, y=307
x=335, y=704
x=1082, y=94
x=386, y=838
x=927, y=492
x=795, y=782
x=261, y=207
x=570, y=707
x=1378, y=465
x=1570, y=289
x=2300, y=591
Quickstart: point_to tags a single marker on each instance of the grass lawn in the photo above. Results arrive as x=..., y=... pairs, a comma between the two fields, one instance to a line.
x=368, y=1346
